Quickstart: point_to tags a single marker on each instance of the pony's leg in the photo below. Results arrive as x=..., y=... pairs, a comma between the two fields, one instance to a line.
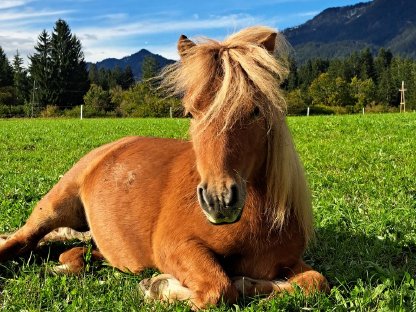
x=73, y=261
x=307, y=279
x=64, y=234
x=301, y=275
x=61, y=207
x=197, y=269
x=165, y=287
x=251, y=287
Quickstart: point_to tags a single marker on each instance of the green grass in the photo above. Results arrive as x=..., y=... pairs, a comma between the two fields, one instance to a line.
x=361, y=170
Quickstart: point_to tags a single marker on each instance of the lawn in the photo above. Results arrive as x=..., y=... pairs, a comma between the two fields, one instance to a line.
x=361, y=170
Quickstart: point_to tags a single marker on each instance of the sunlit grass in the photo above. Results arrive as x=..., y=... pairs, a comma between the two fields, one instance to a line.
x=361, y=170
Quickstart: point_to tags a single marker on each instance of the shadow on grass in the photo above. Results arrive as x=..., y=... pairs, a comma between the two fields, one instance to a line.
x=344, y=258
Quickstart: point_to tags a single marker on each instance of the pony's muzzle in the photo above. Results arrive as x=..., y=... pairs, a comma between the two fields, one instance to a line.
x=223, y=206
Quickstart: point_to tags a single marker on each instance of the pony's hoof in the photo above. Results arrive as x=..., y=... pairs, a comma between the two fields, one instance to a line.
x=155, y=287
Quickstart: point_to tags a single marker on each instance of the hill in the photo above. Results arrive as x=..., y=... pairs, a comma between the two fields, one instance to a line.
x=135, y=61
x=336, y=32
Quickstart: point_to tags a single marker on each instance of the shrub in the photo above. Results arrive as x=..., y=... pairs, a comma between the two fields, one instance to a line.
x=50, y=111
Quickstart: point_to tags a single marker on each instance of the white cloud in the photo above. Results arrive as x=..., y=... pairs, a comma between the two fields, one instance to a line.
x=95, y=40
x=29, y=14
x=230, y=22
x=98, y=42
x=8, y=4
x=307, y=14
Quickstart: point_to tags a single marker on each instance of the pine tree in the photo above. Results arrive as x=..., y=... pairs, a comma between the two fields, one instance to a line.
x=6, y=85
x=6, y=72
x=41, y=70
x=382, y=63
x=93, y=74
x=149, y=68
x=367, y=70
x=20, y=80
x=116, y=76
x=127, y=79
x=291, y=82
x=70, y=76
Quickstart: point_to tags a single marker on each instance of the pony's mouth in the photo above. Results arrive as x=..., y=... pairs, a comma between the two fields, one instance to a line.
x=220, y=218
x=224, y=206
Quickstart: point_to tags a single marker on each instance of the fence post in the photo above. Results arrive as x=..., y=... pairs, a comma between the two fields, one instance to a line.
x=170, y=112
x=307, y=111
x=82, y=106
x=363, y=110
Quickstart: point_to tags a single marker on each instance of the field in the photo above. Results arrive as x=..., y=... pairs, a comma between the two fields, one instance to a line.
x=361, y=170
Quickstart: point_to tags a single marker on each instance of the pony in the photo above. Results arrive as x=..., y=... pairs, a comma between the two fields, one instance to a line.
x=225, y=214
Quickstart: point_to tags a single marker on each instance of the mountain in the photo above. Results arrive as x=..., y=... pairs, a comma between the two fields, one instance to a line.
x=135, y=61
x=336, y=32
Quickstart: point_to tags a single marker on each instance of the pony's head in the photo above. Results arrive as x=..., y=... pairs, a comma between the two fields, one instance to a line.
x=231, y=89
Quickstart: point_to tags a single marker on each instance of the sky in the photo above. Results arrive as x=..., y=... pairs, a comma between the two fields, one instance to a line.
x=119, y=28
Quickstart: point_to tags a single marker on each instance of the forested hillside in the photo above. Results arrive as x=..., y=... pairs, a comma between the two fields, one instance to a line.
x=337, y=32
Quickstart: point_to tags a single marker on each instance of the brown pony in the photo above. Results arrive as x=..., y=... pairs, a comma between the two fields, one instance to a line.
x=227, y=213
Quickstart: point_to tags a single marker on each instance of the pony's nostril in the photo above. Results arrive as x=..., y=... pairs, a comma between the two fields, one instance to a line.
x=203, y=196
x=232, y=198
x=200, y=192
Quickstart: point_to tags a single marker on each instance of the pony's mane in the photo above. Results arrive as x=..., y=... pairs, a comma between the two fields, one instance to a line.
x=229, y=78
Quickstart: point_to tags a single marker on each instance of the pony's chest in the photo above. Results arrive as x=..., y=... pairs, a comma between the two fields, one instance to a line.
x=262, y=255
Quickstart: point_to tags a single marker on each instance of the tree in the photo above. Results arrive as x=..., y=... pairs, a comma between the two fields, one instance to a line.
x=292, y=80
x=382, y=62
x=98, y=100
x=93, y=74
x=149, y=68
x=386, y=89
x=363, y=92
x=321, y=90
x=310, y=71
x=70, y=76
x=329, y=92
x=6, y=71
x=20, y=80
x=296, y=104
x=41, y=70
x=127, y=78
x=367, y=65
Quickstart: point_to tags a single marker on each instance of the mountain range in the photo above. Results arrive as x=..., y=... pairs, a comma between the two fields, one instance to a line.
x=135, y=61
x=335, y=32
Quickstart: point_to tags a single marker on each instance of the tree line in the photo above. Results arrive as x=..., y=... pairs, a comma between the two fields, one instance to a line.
x=58, y=81
x=347, y=85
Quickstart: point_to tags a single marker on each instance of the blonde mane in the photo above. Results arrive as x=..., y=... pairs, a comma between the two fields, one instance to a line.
x=229, y=78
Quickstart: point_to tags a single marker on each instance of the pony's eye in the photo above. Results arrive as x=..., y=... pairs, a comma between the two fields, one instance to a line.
x=256, y=112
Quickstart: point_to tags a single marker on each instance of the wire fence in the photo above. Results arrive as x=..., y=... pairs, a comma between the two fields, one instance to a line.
x=80, y=111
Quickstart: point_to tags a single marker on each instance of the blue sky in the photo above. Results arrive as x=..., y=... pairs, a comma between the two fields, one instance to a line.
x=121, y=27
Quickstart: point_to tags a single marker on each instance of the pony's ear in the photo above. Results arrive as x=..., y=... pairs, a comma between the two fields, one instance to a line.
x=270, y=42
x=184, y=44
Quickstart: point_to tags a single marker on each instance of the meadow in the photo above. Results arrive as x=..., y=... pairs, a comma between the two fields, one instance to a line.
x=361, y=170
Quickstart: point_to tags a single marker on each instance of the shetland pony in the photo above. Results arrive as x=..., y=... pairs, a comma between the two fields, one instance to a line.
x=225, y=214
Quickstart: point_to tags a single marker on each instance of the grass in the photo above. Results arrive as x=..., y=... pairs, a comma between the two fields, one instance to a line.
x=361, y=170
